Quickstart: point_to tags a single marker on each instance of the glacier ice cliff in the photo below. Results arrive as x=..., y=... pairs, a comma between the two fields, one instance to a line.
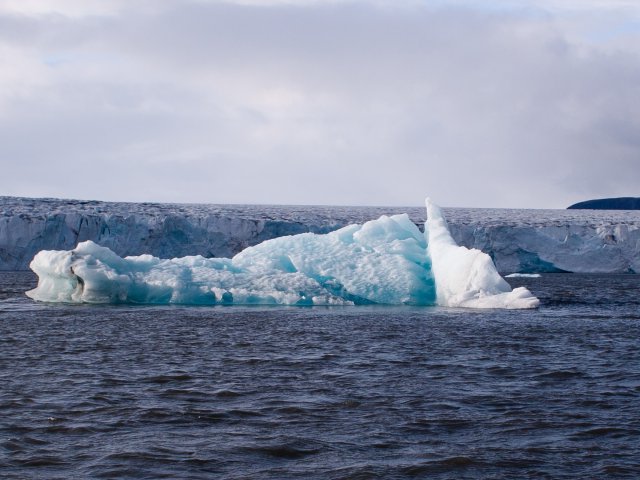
x=383, y=261
x=526, y=241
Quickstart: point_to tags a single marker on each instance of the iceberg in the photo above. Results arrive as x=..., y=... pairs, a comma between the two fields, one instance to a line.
x=467, y=277
x=384, y=261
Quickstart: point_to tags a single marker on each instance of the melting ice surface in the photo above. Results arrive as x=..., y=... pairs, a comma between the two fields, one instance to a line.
x=384, y=261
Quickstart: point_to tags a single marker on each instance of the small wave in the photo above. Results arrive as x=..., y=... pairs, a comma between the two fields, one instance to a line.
x=560, y=375
x=615, y=432
x=118, y=472
x=22, y=444
x=162, y=379
x=142, y=456
x=44, y=461
x=617, y=470
x=523, y=275
x=292, y=410
x=154, y=414
x=205, y=416
x=347, y=404
x=71, y=429
x=245, y=413
x=285, y=451
x=227, y=393
x=458, y=462
x=185, y=394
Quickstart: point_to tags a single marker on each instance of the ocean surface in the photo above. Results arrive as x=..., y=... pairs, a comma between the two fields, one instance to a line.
x=327, y=393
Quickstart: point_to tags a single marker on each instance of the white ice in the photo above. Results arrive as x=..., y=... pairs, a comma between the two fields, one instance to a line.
x=384, y=261
x=467, y=277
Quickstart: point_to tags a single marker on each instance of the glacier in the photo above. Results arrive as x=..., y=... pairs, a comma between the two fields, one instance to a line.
x=523, y=241
x=384, y=261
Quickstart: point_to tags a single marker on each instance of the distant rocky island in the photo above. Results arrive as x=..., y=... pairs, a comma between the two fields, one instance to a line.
x=621, y=203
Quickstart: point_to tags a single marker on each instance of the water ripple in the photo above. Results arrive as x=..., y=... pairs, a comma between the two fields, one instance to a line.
x=199, y=393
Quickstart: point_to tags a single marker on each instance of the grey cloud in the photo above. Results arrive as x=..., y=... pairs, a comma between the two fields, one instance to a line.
x=329, y=103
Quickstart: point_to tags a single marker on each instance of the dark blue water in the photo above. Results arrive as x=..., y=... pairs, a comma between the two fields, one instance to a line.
x=351, y=392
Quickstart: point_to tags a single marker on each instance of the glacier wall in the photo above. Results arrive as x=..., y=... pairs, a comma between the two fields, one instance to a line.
x=600, y=245
x=517, y=240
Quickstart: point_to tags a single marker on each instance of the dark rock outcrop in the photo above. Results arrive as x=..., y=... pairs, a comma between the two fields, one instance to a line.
x=621, y=203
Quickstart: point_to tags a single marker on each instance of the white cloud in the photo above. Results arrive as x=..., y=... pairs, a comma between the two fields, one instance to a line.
x=70, y=8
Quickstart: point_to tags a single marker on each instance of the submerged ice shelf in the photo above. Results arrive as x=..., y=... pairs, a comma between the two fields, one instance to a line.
x=383, y=261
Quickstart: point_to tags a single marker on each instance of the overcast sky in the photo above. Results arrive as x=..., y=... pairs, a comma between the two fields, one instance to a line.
x=514, y=103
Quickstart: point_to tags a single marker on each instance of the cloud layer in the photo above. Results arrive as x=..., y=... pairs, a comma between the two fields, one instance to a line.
x=319, y=102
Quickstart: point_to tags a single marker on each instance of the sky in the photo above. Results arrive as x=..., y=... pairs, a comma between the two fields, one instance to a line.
x=513, y=103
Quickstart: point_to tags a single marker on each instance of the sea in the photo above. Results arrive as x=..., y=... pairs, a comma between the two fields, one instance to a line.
x=366, y=392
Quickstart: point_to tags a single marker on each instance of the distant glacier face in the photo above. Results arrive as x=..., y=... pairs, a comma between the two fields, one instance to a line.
x=533, y=241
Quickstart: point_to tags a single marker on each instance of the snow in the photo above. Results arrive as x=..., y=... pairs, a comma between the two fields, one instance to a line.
x=383, y=261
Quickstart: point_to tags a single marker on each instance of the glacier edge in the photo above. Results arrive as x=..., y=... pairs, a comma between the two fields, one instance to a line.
x=523, y=241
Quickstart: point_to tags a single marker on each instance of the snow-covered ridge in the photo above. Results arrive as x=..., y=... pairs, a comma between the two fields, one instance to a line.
x=517, y=240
